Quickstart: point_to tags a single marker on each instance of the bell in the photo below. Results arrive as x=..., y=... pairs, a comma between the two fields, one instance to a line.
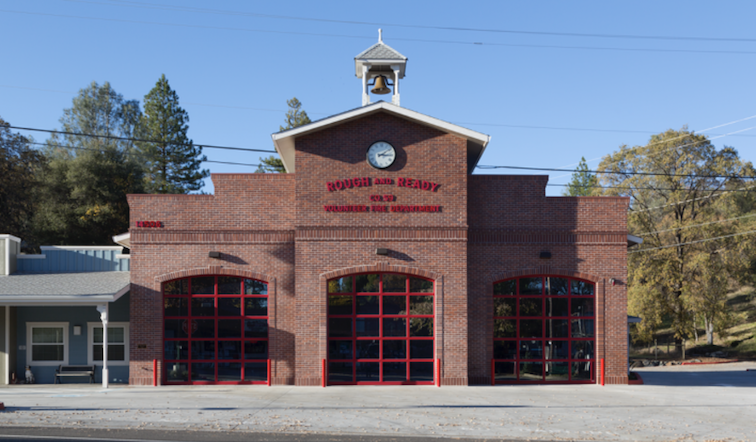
x=380, y=86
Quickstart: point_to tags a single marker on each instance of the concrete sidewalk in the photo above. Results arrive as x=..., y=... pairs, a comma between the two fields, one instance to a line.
x=703, y=402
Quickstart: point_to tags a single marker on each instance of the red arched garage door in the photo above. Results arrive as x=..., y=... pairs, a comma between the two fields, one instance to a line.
x=215, y=330
x=544, y=330
x=380, y=329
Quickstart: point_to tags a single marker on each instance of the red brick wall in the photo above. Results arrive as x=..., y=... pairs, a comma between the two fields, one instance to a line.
x=250, y=221
x=511, y=222
x=422, y=153
x=430, y=244
x=268, y=226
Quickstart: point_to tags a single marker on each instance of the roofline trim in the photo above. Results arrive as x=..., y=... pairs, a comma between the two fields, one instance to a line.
x=284, y=141
x=11, y=237
x=124, y=239
x=382, y=105
x=80, y=247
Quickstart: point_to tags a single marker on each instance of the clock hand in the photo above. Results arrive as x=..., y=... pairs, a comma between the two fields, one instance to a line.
x=384, y=153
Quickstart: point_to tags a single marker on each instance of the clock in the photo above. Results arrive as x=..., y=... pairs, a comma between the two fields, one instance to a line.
x=381, y=155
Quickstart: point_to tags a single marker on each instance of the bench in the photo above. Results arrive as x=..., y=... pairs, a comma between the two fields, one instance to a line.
x=75, y=370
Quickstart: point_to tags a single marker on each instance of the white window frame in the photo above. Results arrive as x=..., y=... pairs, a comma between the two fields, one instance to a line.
x=90, y=342
x=29, y=350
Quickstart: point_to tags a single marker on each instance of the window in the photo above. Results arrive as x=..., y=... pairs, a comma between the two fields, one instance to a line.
x=46, y=343
x=118, y=343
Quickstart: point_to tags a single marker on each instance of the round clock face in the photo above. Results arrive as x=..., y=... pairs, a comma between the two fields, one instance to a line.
x=381, y=155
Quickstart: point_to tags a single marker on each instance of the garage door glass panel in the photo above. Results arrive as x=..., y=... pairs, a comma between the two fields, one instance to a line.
x=229, y=286
x=544, y=330
x=392, y=339
x=216, y=330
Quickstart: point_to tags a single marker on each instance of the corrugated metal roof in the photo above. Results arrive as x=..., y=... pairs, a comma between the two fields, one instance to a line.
x=64, y=287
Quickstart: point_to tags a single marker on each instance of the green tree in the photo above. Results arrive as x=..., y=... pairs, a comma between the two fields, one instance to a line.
x=19, y=164
x=295, y=117
x=83, y=187
x=171, y=160
x=674, y=271
x=583, y=182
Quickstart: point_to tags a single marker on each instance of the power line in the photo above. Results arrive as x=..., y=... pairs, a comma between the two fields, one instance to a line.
x=443, y=28
x=131, y=153
x=692, y=199
x=314, y=34
x=683, y=136
x=111, y=137
x=695, y=225
x=460, y=123
x=547, y=169
x=693, y=242
x=644, y=188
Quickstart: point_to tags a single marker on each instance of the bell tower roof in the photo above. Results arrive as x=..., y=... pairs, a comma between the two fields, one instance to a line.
x=380, y=55
x=383, y=64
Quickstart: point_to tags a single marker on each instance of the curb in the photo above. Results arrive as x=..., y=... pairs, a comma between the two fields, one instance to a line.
x=638, y=381
x=710, y=363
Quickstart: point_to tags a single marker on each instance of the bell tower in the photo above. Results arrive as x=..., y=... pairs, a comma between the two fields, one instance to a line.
x=382, y=65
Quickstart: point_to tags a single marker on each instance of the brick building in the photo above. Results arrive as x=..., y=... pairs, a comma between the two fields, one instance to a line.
x=379, y=258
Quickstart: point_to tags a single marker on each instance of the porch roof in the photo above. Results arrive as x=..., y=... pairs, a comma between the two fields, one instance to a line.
x=64, y=288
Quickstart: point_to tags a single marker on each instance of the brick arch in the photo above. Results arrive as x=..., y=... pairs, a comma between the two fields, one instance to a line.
x=381, y=267
x=546, y=270
x=214, y=270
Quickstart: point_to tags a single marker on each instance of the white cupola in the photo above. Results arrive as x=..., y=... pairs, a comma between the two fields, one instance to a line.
x=384, y=66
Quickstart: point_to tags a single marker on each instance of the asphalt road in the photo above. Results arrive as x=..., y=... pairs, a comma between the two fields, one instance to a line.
x=678, y=403
x=26, y=434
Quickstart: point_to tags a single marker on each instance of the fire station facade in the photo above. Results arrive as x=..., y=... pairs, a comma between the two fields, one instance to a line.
x=378, y=259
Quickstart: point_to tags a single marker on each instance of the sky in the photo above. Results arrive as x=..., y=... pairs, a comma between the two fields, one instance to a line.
x=549, y=81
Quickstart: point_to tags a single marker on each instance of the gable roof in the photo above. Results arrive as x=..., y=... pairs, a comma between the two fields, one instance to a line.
x=284, y=141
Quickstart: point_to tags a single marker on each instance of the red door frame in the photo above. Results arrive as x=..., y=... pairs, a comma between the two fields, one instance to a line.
x=381, y=316
x=569, y=339
x=189, y=318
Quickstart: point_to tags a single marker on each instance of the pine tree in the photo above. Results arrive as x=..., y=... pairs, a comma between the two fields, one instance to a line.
x=19, y=164
x=295, y=117
x=81, y=197
x=172, y=161
x=583, y=182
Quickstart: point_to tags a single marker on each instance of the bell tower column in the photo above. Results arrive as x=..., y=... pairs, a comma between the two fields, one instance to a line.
x=365, y=93
x=395, y=97
x=384, y=64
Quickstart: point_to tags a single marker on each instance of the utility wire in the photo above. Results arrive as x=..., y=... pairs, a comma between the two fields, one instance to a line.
x=111, y=137
x=460, y=123
x=598, y=186
x=131, y=154
x=547, y=169
x=415, y=26
x=683, y=136
x=693, y=242
x=691, y=200
x=695, y=225
x=311, y=34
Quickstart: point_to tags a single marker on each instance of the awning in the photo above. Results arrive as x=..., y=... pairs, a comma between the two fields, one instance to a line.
x=64, y=288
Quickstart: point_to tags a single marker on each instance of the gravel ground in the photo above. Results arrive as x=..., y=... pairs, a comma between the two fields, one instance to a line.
x=677, y=403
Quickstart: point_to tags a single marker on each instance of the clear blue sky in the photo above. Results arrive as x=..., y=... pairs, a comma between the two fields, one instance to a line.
x=234, y=65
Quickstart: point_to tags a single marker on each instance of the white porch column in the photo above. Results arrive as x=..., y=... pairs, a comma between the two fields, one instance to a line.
x=6, y=380
x=103, y=309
